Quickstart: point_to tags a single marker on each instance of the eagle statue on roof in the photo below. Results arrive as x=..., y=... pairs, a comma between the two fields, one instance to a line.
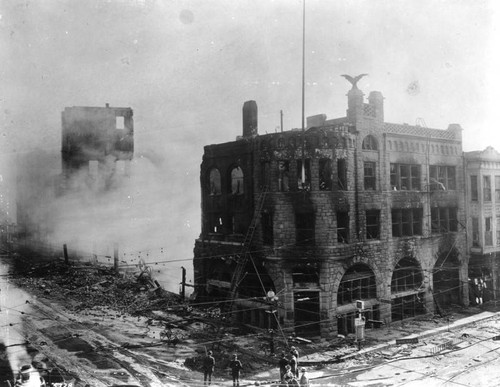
x=353, y=80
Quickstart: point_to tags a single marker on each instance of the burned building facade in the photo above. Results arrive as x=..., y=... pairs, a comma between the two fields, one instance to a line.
x=349, y=209
x=483, y=223
x=96, y=140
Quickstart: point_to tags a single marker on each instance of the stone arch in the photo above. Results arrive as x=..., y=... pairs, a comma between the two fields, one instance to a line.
x=236, y=176
x=357, y=283
x=214, y=181
x=446, y=284
x=407, y=275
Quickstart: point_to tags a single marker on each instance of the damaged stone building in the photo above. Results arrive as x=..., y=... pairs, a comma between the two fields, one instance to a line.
x=483, y=223
x=299, y=225
x=98, y=141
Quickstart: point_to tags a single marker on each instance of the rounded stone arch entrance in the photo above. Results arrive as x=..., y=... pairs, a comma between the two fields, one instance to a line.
x=407, y=290
x=358, y=283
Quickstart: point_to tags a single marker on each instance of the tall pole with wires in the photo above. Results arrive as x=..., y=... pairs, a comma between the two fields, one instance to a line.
x=303, y=89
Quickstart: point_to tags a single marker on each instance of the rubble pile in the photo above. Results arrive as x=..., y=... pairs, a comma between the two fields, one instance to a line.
x=90, y=286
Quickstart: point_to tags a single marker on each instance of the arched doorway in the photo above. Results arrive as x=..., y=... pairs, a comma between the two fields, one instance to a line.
x=407, y=290
x=358, y=283
x=306, y=299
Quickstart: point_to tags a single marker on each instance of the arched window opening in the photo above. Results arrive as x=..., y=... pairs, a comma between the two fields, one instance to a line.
x=406, y=276
x=358, y=283
x=237, y=181
x=370, y=143
x=215, y=182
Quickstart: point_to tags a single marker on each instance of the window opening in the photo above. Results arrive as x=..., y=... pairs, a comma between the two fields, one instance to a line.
x=215, y=223
x=443, y=219
x=265, y=168
x=442, y=177
x=237, y=181
x=304, y=173
x=405, y=177
x=497, y=189
x=487, y=188
x=488, y=233
x=358, y=283
x=325, y=174
x=215, y=182
x=342, y=174
x=304, y=227
x=474, y=196
x=369, y=178
x=406, y=276
x=283, y=175
x=406, y=222
x=343, y=227
x=120, y=122
x=498, y=230
x=373, y=224
x=369, y=143
x=475, y=233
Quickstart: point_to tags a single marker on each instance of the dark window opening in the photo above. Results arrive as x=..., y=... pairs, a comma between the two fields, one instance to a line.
x=342, y=174
x=267, y=228
x=265, y=174
x=215, y=182
x=370, y=143
x=237, y=181
x=215, y=223
x=304, y=227
x=475, y=233
x=497, y=189
x=305, y=276
x=488, y=232
x=373, y=224
x=406, y=222
x=343, y=227
x=474, y=193
x=405, y=177
x=442, y=177
x=325, y=175
x=284, y=176
x=406, y=276
x=369, y=178
x=443, y=220
x=358, y=283
x=487, y=188
x=304, y=174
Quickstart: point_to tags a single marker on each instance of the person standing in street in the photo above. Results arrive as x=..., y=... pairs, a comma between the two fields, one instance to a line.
x=236, y=366
x=208, y=368
x=283, y=362
x=304, y=380
x=294, y=365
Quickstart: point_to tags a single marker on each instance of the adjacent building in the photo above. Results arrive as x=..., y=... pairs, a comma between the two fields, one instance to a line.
x=483, y=223
x=351, y=208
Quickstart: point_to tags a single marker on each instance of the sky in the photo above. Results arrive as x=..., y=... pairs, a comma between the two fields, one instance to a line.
x=187, y=67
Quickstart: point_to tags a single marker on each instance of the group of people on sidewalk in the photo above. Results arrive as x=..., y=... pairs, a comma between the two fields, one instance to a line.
x=288, y=366
x=289, y=370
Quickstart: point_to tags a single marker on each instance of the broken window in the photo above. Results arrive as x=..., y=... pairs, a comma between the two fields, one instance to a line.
x=370, y=143
x=120, y=122
x=443, y=219
x=473, y=189
x=358, y=283
x=373, y=224
x=215, y=182
x=215, y=223
x=283, y=175
x=406, y=222
x=237, y=181
x=369, y=178
x=343, y=227
x=407, y=275
x=266, y=222
x=325, y=174
x=487, y=188
x=304, y=228
x=405, y=177
x=342, y=174
x=488, y=232
x=304, y=174
x=475, y=233
x=442, y=177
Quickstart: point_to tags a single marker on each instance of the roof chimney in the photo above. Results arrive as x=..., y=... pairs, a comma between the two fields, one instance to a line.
x=249, y=119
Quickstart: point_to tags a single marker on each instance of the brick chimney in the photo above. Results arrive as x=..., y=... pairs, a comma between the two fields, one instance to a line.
x=354, y=105
x=250, y=119
x=377, y=101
